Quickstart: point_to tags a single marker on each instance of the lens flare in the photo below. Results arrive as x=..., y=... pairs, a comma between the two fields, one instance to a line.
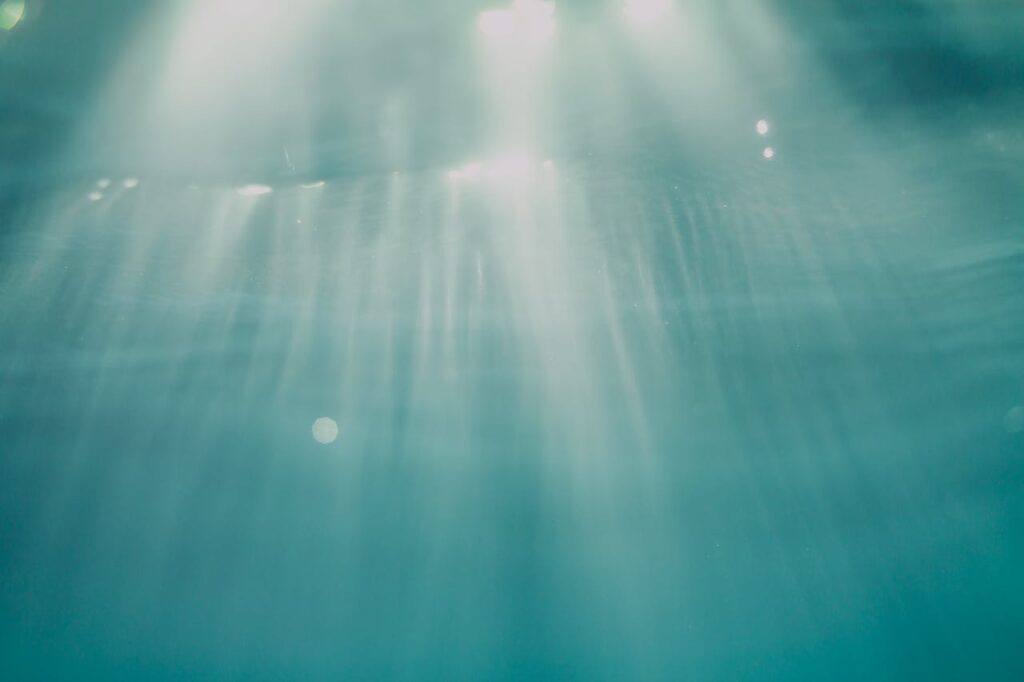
x=11, y=13
x=325, y=430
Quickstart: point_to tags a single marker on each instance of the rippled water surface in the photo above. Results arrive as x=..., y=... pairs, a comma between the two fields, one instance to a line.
x=622, y=341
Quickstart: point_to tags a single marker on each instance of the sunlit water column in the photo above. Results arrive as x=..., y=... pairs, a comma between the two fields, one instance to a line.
x=593, y=370
x=399, y=414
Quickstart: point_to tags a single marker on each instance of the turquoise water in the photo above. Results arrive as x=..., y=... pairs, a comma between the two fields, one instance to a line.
x=356, y=342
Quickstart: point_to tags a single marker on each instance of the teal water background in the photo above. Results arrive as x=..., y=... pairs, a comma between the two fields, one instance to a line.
x=659, y=408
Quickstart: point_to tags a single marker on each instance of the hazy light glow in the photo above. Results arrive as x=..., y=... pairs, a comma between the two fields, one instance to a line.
x=95, y=195
x=525, y=20
x=325, y=430
x=103, y=183
x=762, y=127
x=254, y=190
x=508, y=168
x=130, y=183
x=768, y=153
x=644, y=12
x=513, y=166
x=313, y=185
x=467, y=171
x=11, y=13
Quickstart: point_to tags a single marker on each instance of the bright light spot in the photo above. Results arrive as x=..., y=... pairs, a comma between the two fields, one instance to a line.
x=468, y=171
x=497, y=22
x=95, y=195
x=130, y=183
x=512, y=167
x=325, y=430
x=11, y=12
x=1015, y=419
x=645, y=12
x=313, y=185
x=768, y=153
x=103, y=183
x=762, y=127
x=254, y=190
x=524, y=20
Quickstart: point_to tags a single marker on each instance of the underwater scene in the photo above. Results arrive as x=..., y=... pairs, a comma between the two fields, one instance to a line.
x=512, y=340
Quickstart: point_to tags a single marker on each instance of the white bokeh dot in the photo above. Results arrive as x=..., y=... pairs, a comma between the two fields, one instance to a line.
x=325, y=430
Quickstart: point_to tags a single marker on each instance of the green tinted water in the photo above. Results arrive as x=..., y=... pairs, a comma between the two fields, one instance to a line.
x=440, y=363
